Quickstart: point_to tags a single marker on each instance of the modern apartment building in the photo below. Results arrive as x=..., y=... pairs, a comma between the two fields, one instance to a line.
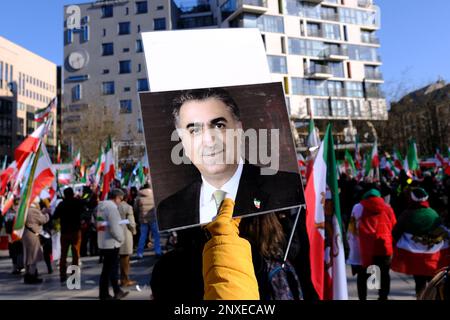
x=28, y=82
x=325, y=52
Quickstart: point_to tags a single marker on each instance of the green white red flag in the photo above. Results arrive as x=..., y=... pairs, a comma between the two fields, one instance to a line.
x=44, y=173
x=109, y=173
x=42, y=114
x=77, y=159
x=29, y=145
x=349, y=164
x=25, y=194
x=324, y=225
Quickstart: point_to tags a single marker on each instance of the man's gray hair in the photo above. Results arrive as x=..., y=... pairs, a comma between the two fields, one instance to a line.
x=116, y=193
x=201, y=95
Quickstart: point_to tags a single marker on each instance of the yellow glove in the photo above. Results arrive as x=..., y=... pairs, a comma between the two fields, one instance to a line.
x=228, y=272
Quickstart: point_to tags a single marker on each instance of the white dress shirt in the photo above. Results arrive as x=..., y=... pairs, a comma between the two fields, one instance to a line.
x=207, y=205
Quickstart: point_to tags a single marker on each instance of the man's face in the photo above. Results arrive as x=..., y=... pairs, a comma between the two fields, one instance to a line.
x=118, y=199
x=209, y=134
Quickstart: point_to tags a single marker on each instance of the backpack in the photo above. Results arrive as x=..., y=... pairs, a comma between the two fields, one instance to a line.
x=283, y=283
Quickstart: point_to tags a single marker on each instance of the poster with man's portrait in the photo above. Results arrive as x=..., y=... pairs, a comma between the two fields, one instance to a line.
x=205, y=145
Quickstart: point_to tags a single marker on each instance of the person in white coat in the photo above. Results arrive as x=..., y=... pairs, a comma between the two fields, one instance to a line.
x=110, y=235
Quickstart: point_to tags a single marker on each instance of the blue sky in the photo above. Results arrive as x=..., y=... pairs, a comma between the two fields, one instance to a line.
x=415, y=36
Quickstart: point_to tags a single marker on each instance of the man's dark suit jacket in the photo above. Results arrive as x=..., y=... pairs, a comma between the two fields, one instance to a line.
x=256, y=193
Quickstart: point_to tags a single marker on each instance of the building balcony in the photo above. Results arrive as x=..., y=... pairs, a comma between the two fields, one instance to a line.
x=374, y=93
x=314, y=1
x=318, y=72
x=364, y=3
x=315, y=33
x=199, y=8
x=330, y=16
x=374, y=76
x=241, y=6
x=370, y=40
x=335, y=54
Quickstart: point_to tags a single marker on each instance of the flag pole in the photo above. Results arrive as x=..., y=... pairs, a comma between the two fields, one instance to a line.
x=292, y=235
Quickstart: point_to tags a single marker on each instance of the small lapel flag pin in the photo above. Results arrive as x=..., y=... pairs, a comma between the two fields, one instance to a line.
x=257, y=203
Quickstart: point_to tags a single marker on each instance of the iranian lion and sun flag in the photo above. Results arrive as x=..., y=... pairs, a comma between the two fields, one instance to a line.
x=324, y=225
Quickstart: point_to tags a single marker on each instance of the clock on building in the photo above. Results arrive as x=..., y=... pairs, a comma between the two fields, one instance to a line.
x=77, y=60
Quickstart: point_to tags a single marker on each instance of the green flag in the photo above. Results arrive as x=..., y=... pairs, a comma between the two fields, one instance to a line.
x=349, y=159
x=413, y=161
x=21, y=216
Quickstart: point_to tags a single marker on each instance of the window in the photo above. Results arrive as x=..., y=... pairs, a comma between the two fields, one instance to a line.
x=139, y=69
x=20, y=126
x=373, y=90
x=108, y=49
x=302, y=9
x=314, y=30
x=362, y=53
x=305, y=47
x=124, y=28
x=6, y=73
x=372, y=72
x=105, y=71
x=354, y=89
x=141, y=7
x=125, y=66
x=76, y=93
x=270, y=23
x=355, y=108
x=277, y=64
x=126, y=89
x=336, y=88
x=108, y=88
x=84, y=33
x=160, y=8
x=320, y=107
x=104, y=32
x=127, y=11
x=139, y=47
x=339, y=108
x=126, y=49
x=337, y=69
x=138, y=28
x=125, y=106
x=1, y=74
x=107, y=11
x=140, y=127
x=68, y=36
x=308, y=87
x=332, y=31
x=142, y=85
x=159, y=24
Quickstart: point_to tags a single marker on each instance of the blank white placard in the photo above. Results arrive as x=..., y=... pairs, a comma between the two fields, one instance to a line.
x=188, y=59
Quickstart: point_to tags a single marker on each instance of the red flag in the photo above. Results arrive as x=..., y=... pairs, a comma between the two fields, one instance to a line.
x=109, y=173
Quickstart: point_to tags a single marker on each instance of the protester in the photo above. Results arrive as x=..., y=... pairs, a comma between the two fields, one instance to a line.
x=370, y=241
x=182, y=267
x=110, y=238
x=420, y=236
x=89, y=238
x=145, y=206
x=228, y=271
x=69, y=212
x=131, y=200
x=45, y=237
x=31, y=242
x=126, y=250
x=15, y=246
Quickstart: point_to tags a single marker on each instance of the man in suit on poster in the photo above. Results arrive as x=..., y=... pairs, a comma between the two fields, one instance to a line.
x=202, y=118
